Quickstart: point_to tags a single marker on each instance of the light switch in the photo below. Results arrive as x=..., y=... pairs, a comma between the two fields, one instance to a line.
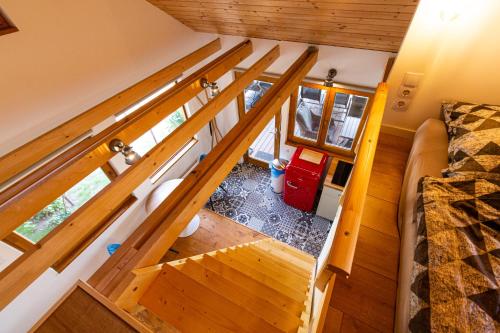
x=412, y=79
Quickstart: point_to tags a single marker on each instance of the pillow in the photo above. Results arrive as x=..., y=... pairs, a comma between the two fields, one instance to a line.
x=474, y=131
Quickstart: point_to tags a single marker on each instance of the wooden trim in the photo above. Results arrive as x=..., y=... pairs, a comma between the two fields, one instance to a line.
x=109, y=171
x=35, y=150
x=319, y=321
x=18, y=275
x=61, y=264
x=190, y=196
x=38, y=190
x=388, y=68
x=344, y=244
x=20, y=242
x=126, y=317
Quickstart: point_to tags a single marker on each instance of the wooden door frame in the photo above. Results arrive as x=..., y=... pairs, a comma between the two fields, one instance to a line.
x=320, y=143
x=277, y=120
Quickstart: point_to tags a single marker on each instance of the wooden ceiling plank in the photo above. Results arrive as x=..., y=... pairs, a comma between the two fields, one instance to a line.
x=220, y=14
x=174, y=7
x=283, y=4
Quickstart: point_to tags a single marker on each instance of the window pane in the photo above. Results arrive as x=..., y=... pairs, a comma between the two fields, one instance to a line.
x=346, y=117
x=254, y=92
x=55, y=213
x=309, y=111
x=144, y=143
x=168, y=125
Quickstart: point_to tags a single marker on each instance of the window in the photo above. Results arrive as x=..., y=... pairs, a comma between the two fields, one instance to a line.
x=327, y=118
x=254, y=92
x=160, y=131
x=60, y=209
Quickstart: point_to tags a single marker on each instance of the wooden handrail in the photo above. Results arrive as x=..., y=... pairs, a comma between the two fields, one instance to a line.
x=76, y=228
x=186, y=200
x=35, y=192
x=37, y=149
x=344, y=244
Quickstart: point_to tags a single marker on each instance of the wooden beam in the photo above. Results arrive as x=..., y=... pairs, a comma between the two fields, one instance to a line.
x=388, y=68
x=195, y=123
x=346, y=235
x=17, y=276
x=30, y=195
x=194, y=191
x=19, y=242
x=37, y=149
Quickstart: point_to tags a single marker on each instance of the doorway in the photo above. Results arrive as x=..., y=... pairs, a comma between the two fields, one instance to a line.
x=267, y=145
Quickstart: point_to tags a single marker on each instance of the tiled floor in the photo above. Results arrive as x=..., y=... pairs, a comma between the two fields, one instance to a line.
x=250, y=201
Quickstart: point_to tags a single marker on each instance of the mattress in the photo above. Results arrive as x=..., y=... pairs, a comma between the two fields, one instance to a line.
x=428, y=157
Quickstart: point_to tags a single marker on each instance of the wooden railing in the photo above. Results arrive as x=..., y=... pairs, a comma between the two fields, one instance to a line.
x=155, y=235
x=342, y=248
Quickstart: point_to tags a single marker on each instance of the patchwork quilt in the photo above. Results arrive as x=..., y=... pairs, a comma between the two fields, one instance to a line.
x=456, y=269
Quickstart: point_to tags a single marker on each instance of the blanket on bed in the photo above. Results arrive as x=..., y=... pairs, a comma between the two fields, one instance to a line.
x=456, y=269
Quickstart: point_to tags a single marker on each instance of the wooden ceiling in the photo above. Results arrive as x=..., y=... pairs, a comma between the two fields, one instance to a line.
x=366, y=24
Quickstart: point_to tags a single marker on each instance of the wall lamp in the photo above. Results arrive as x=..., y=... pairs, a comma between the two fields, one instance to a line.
x=214, y=89
x=329, y=78
x=118, y=146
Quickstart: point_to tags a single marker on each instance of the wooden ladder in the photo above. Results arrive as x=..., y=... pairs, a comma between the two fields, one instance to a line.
x=263, y=286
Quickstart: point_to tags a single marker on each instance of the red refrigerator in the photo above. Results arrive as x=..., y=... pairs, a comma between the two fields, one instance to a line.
x=302, y=179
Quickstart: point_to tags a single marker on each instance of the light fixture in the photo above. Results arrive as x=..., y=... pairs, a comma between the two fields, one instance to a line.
x=214, y=89
x=118, y=146
x=329, y=78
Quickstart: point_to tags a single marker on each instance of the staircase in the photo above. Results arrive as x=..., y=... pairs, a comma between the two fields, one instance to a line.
x=264, y=286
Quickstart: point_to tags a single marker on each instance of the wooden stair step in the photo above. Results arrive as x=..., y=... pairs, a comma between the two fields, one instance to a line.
x=301, y=269
x=185, y=303
x=288, y=256
x=261, y=277
x=271, y=269
x=275, y=244
x=252, y=302
x=275, y=297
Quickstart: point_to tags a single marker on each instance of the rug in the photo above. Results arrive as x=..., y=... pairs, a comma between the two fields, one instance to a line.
x=249, y=200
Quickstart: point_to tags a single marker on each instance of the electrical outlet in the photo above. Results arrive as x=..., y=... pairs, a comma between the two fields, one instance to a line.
x=406, y=92
x=400, y=104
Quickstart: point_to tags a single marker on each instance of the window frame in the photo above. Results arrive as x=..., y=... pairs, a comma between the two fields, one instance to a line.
x=320, y=142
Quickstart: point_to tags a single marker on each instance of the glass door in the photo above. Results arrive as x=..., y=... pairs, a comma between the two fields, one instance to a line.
x=266, y=147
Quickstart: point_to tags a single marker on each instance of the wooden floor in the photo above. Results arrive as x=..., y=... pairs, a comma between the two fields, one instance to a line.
x=366, y=301
x=215, y=232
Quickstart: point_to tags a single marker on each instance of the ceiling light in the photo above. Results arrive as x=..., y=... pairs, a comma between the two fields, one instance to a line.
x=131, y=156
x=329, y=78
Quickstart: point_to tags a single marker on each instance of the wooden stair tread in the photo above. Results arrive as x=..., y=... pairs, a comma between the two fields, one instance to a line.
x=269, y=268
x=175, y=296
x=278, y=245
x=288, y=256
x=251, y=301
x=279, y=299
x=261, y=277
x=296, y=267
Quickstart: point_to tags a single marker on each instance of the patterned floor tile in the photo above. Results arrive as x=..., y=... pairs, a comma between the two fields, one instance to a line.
x=247, y=198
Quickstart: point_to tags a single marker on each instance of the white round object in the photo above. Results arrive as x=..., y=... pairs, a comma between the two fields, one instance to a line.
x=159, y=194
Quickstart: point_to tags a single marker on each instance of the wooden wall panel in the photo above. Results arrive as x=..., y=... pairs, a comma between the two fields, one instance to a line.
x=366, y=24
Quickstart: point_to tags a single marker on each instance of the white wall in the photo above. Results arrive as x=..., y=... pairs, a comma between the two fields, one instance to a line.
x=68, y=56
x=459, y=58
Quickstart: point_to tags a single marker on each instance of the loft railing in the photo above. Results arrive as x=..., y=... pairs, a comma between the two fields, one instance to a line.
x=342, y=246
x=156, y=234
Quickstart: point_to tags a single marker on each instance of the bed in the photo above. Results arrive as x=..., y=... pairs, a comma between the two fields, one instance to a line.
x=425, y=204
